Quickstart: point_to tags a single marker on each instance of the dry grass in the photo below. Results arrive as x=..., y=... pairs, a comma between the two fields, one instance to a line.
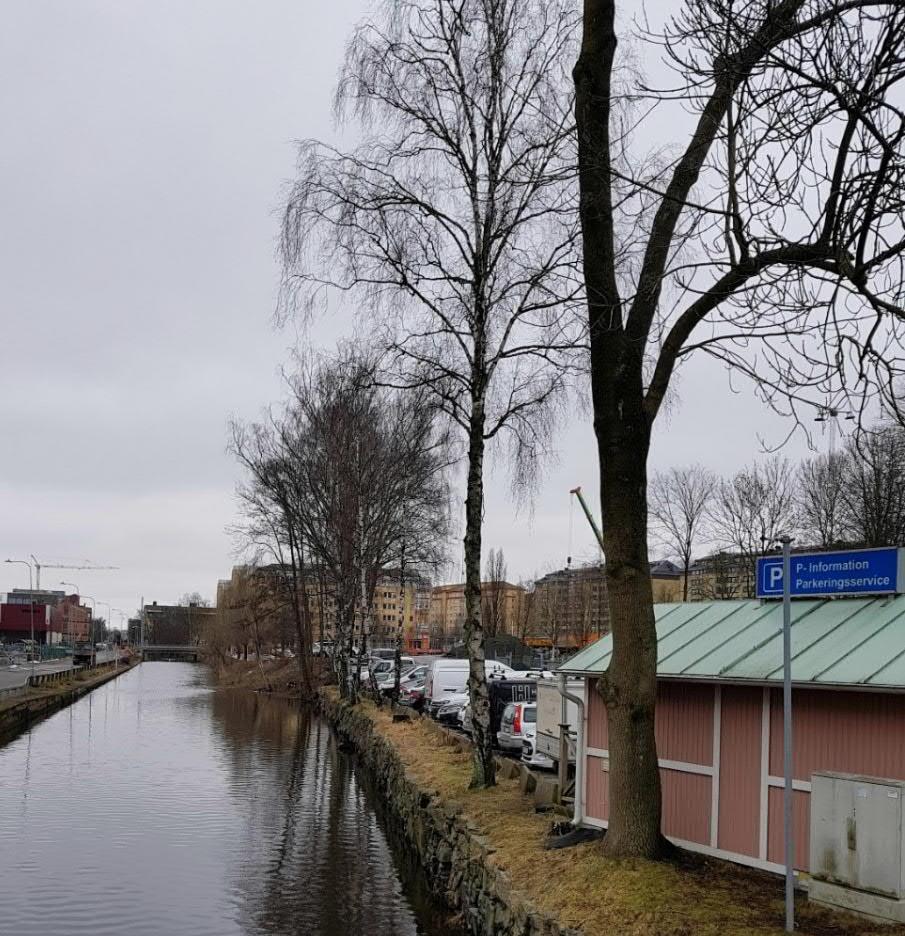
x=588, y=891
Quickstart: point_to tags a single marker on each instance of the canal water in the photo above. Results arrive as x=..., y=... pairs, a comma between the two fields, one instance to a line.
x=157, y=806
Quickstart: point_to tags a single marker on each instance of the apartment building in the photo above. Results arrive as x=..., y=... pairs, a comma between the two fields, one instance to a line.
x=503, y=610
x=719, y=576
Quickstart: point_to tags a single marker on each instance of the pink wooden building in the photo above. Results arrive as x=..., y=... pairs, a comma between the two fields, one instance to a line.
x=719, y=717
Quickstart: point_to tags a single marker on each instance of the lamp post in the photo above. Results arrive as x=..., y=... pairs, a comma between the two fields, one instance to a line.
x=76, y=592
x=31, y=596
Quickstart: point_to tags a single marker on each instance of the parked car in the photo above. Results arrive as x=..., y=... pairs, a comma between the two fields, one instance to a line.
x=407, y=661
x=410, y=675
x=380, y=667
x=413, y=695
x=505, y=688
x=450, y=676
x=516, y=717
x=465, y=718
x=449, y=712
x=530, y=754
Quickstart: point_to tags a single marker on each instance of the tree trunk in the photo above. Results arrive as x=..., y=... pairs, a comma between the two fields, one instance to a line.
x=630, y=685
x=303, y=621
x=301, y=612
x=623, y=437
x=400, y=629
x=484, y=773
x=342, y=648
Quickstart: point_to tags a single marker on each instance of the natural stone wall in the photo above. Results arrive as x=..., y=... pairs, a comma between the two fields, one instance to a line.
x=451, y=848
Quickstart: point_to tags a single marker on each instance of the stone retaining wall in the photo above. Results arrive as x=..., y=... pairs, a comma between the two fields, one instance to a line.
x=16, y=716
x=452, y=850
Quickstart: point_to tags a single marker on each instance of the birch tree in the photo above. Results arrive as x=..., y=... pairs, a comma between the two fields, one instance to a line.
x=454, y=225
x=769, y=238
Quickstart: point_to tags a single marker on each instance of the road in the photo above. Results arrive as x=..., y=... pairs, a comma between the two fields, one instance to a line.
x=17, y=676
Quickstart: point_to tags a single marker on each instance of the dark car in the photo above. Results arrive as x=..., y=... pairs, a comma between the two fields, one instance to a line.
x=502, y=692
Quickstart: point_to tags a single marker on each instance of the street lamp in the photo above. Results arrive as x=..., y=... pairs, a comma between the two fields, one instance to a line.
x=75, y=590
x=31, y=595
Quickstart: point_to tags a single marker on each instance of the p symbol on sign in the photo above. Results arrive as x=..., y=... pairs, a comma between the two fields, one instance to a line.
x=774, y=575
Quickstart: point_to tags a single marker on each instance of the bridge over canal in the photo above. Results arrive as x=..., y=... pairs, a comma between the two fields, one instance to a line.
x=178, y=653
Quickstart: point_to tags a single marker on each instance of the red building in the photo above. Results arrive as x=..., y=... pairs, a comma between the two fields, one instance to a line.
x=719, y=717
x=72, y=620
x=16, y=623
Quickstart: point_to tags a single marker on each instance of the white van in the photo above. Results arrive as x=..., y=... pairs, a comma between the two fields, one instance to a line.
x=447, y=677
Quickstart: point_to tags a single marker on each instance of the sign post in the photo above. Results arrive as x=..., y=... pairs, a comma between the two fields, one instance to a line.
x=788, y=834
x=851, y=573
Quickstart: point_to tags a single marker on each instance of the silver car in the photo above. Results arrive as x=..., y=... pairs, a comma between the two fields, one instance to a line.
x=518, y=721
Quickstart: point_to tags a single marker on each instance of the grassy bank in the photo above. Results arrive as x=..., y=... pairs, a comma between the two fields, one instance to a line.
x=585, y=890
x=281, y=677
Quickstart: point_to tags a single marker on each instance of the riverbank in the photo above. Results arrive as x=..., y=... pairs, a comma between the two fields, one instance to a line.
x=21, y=711
x=484, y=853
x=278, y=677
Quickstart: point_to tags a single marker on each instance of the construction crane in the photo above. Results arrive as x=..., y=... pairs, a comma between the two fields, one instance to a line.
x=88, y=567
x=587, y=512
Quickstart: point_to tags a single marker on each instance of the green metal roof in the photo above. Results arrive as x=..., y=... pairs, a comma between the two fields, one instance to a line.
x=842, y=642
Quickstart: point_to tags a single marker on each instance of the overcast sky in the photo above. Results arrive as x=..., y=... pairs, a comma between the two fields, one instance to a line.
x=145, y=149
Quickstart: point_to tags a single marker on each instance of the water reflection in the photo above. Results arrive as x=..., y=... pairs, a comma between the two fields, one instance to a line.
x=158, y=806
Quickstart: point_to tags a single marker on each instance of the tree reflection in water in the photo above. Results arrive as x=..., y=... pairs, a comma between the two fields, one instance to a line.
x=318, y=855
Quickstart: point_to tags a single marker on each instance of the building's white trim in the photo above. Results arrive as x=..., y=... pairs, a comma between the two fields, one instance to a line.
x=581, y=776
x=747, y=860
x=764, y=773
x=679, y=766
x=715, y=759
x=802, y=786
x=684, y=767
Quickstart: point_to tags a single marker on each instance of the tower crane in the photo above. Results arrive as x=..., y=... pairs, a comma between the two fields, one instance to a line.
x=87, y=567
x=587, y=512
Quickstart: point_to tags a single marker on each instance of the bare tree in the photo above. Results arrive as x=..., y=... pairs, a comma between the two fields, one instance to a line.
x=819, y=496
x=873, y=487
x=679, y=500
x=494, y=595
x=364, y=474
x=525, y=610
x=271, y=525
x=454, y=222
x=771, y=240
x=751, y=511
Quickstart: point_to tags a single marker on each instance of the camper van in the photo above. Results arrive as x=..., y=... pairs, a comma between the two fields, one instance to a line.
x=448, y=676
x=550, y=716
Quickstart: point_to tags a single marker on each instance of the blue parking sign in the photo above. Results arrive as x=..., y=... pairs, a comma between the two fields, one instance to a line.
x=853, y=572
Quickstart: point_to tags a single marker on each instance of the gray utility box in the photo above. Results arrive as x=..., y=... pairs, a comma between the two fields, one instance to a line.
x=857, y=844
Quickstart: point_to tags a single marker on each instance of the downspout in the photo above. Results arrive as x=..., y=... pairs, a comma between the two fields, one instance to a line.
x=579, y=808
